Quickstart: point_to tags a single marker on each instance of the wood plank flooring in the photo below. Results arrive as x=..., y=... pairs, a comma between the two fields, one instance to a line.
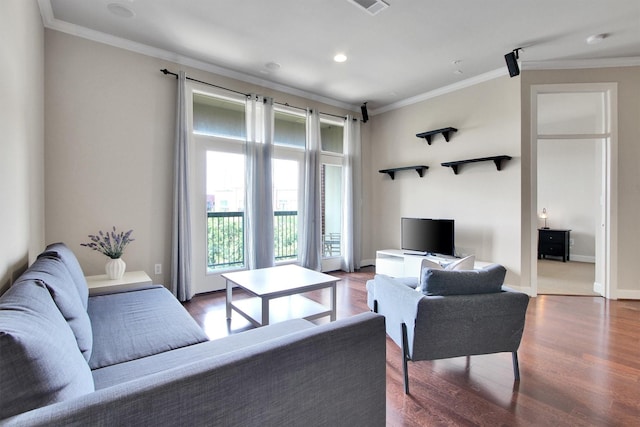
x=579, y=365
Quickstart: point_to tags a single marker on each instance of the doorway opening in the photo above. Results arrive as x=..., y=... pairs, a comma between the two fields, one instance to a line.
x=573, y=143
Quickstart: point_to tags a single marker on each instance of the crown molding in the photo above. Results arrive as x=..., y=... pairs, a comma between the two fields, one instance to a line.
x=573, y=64
x=524, y=65
x=443, y=90
x=49, y=21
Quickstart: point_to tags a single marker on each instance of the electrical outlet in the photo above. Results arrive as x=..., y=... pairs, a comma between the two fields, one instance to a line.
x=158, y=269
x=570, y=242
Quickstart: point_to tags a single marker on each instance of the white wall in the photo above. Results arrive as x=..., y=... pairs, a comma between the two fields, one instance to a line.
x=484, y=202
x=22, y=137
x=109, y=141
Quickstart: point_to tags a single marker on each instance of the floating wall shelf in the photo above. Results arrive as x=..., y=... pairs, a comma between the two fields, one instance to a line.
x=446, y=132
x=496, y=159
x=392, y=172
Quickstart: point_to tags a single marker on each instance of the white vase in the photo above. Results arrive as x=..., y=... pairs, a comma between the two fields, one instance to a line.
x=115, y=268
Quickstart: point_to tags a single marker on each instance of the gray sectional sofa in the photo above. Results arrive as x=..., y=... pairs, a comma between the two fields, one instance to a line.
x=138, y=358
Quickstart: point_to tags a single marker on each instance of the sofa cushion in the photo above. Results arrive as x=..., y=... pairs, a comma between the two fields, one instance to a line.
x=128, y=371
x=465, y=263
x=53, y=273
x=40, y=363
x=135, y=324
x=462, y=282
x=66, y=255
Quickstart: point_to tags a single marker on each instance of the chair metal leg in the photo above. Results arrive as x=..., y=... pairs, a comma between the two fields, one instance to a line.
x=405, y=358
x=516, y=366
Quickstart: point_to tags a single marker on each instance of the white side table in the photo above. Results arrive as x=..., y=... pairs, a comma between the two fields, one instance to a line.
x=100, y=284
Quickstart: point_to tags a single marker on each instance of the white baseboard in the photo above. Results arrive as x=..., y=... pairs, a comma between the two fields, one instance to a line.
x=367, y=262
x=628, y=294
x=583, y=258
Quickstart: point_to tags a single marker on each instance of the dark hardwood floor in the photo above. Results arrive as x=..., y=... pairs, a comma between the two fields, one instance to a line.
x=579, y=365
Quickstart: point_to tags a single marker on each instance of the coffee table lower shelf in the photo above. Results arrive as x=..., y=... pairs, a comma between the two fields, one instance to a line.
x=280, y=309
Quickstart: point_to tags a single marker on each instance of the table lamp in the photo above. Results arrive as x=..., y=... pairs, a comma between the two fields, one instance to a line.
x=543, y=215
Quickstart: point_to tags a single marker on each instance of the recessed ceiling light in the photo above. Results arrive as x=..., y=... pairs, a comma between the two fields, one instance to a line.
x=273, y=66
x=596, y=38
x=120, y=10
x=341, y=57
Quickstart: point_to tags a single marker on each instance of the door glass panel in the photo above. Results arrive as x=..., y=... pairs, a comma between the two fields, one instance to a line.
x=571, y=113
x=225, y=210
x=331, y=182
x=285, y=206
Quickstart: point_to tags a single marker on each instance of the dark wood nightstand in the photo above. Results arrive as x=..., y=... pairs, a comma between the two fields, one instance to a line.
x=554, y=243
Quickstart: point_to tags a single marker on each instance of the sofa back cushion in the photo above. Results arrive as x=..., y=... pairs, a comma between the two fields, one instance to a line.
x=40, y=363
x=68, y=258
x=54, y=274
x=462, y=282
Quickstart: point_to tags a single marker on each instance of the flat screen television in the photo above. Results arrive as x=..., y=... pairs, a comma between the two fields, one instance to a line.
x=431, y=236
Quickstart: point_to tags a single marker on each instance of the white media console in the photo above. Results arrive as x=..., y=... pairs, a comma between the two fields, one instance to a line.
x=400, y=263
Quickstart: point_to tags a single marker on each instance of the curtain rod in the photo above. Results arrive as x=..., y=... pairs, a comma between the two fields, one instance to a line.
x=165, y=72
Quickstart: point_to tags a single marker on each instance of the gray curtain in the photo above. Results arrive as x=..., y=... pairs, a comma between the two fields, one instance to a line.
x=352, y=172
x=181, y=225
x=310, y=220
x=259, y=201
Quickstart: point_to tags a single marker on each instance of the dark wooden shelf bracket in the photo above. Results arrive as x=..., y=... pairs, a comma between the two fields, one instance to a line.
x=496, y=159
x=392, y=172
x=446, y=132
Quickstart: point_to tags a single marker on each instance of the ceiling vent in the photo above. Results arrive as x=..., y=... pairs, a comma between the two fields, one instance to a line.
x=371, y=6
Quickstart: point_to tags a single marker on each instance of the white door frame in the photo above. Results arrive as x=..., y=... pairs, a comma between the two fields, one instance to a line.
x=607, y=242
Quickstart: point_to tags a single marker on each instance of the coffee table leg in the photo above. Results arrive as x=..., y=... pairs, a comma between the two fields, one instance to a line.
x=333, y=302
x=228, y=299
x=265, y=311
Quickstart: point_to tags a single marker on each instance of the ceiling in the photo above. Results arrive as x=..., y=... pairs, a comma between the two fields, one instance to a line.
x=411, y=48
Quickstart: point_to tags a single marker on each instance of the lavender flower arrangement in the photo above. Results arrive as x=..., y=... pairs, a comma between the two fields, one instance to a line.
x=111, y=244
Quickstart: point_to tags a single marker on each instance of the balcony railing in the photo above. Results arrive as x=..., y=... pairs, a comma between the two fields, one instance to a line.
x=225, y=238
x=285, y=235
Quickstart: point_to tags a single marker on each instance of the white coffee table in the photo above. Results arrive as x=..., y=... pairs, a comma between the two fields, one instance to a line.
x=276, y=294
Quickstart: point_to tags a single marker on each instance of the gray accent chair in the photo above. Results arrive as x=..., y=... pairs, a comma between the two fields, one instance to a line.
x=446, y=314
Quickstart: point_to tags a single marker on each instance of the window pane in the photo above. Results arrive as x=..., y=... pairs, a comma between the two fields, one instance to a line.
x=218, y=117
x=285, y=205
x=331, y=182
x=331, y=136
x=225, y=210
x=289, y=130
x=571, y=113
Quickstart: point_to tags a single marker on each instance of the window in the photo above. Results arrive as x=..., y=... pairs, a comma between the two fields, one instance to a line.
x=218, y=186
x=332, y=139
x=332, y=136
x=288, y=157
x=217, y=116
x=289, y=129
x=225, y=210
